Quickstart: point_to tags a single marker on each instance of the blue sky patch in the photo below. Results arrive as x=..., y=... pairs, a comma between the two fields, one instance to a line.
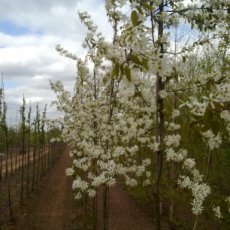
x=8, y=27
x=9, y=84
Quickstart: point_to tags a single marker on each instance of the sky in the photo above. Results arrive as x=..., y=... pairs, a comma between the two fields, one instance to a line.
x=29, y=32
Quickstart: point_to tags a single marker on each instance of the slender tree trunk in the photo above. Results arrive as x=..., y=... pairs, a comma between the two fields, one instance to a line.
x=42, y=160
x=94, y=163
x=38, y=164
x=22, y=173
x=5, y=131
x=159, y=122
x=86, y=211
x=95, y=212
x=171, y=168
x=1, y=123
x=1, y=167
x=28, y=165
x=16, y=160
x=11, y=216
x=47, y=156
x=7, y=158
x=7, y=150
x=11, y=162
x=209, y=164
x=106, y=208
x=22, y=180
x=34, y=165
x=44, y=154
x=51, y=155
x=23, y=149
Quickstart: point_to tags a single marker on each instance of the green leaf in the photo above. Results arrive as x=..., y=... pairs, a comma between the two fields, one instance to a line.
x=122, y=69
x=184, y=59
x=218, y=106
x=145, y=63
x=128, y=73
x=211, y=120
x=148, y=6
x=215, y=126
x=135, y=59
x=208, y=116
x=116, y=68
x=195, y=134
x=134, y=18
x=139, y=9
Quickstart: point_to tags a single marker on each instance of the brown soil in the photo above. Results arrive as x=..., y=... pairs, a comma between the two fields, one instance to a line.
x=125, y=214
x=15, y=160
x=52, y=206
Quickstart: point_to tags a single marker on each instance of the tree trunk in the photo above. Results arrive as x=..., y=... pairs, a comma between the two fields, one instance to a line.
x=159, y=122
x=106, y=208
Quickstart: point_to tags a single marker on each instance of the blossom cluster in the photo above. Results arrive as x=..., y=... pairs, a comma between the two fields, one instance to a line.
x=105, y=141
x=213, y=141
x=193, y=180
x=109, y=120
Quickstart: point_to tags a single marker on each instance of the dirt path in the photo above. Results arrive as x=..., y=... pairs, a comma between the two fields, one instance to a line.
x=52, y=205
x=125, y=214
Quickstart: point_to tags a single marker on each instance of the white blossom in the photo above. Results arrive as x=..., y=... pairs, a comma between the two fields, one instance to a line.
x=173, y=127
x=175, y=113
x=146, y=182
x=225, y=115
x=217, y=212
x=199, y=191
x=213, y=141
x=78, y=196
x=184, y=182
x=189, y=163
x=78, y=183
x=91, y=192
x=172, y=140
x=69, y=171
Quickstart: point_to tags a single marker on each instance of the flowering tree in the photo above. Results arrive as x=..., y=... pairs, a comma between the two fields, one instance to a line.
x=130, y=105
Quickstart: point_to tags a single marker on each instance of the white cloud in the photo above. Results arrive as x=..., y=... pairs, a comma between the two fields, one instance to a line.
x=28, y=61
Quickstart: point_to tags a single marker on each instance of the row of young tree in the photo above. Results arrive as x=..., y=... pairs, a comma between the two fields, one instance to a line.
x=154, y=118
x=26, y=155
